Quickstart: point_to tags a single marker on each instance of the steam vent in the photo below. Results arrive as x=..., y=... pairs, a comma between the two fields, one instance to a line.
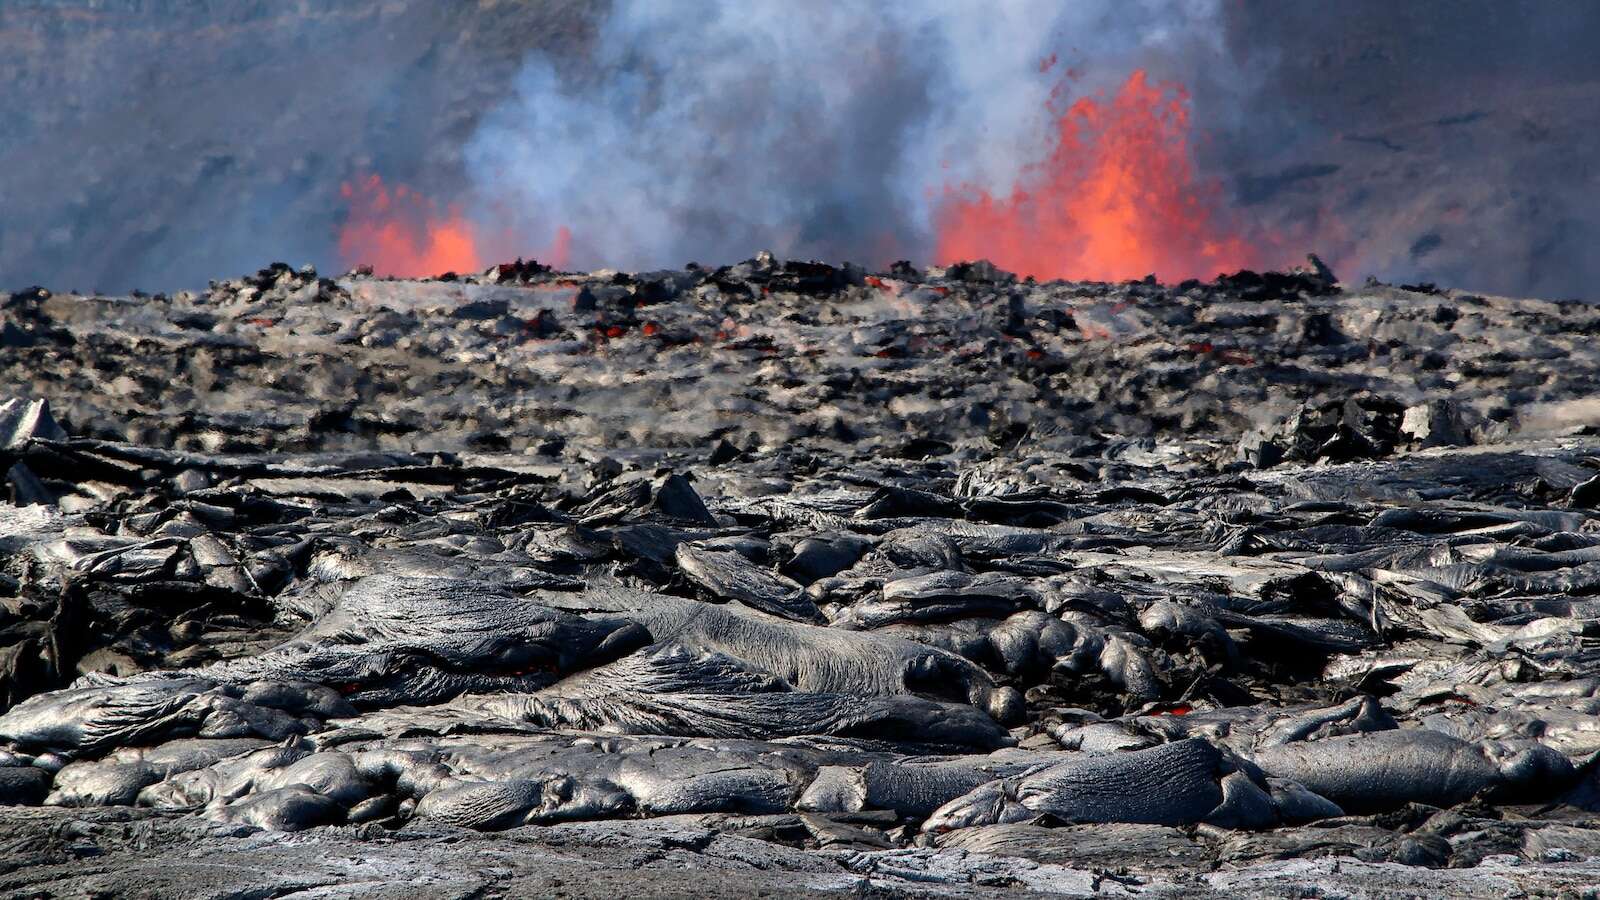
x=1087, y=538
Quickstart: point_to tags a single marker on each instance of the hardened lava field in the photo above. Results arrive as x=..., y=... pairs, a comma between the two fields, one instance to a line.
x=788, y=577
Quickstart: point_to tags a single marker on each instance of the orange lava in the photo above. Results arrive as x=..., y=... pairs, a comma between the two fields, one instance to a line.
x=401, y=233
x=1117, y=199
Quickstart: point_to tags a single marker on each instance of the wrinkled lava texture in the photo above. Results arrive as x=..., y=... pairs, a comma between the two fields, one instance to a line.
x=784, y=577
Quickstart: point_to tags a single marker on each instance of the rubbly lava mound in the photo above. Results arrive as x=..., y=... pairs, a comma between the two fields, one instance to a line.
x=927, y=580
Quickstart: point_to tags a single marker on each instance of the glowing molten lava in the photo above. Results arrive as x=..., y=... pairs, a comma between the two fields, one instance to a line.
x=402, y=233
x=1117, y=199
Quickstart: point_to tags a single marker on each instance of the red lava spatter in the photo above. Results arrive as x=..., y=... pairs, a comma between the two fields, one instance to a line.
x=1117, y=198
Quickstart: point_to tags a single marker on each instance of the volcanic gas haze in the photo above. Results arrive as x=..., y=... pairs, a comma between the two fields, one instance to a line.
x=866, y=132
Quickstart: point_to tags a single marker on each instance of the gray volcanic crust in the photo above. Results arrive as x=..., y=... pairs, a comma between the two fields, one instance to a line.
x=92, y=854
x=784, y=578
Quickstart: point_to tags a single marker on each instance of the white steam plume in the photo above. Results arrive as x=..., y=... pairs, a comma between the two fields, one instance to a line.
x=706, y=130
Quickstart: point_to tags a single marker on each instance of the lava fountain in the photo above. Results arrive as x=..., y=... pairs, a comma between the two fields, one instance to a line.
x=403, y=234
x=1117, y=198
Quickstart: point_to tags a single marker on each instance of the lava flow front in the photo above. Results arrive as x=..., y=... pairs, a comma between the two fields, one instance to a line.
x=1118, y=198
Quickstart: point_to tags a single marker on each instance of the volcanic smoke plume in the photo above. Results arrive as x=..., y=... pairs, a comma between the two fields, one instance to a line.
x=846, y=133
